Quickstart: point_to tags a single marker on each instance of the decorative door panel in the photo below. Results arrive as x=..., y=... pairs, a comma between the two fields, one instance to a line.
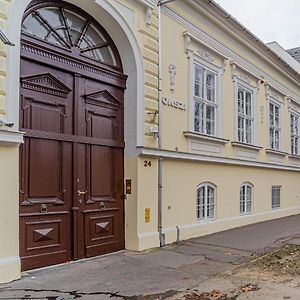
x=101, y=179
x=45, y=172
x=101, y=126
x=39, y=114
x=102, y=233
x=47, y=239
x=46, y=99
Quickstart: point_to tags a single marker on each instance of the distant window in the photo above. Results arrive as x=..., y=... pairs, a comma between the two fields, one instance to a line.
x=276, y=192
x=206, y=202
x=274, y=126
x=205, y=104
x=245, y=115
x=246, y=192
x=294, y=134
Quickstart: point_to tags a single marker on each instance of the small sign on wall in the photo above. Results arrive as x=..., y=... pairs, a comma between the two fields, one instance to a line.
x=147, y=215
x=173, y=103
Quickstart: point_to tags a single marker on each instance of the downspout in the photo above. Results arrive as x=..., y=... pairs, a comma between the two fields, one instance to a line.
x=160, y=161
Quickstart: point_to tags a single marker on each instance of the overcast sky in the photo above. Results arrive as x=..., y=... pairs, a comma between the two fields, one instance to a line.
x=270, y=20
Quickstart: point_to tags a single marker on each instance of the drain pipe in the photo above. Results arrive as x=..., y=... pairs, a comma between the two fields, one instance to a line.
x=160, y=145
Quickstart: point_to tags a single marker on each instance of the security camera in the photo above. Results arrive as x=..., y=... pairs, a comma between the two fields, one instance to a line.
x=6, y=123
x=154, y=132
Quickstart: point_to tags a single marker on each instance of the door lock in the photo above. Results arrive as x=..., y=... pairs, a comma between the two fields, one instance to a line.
x=80, y=193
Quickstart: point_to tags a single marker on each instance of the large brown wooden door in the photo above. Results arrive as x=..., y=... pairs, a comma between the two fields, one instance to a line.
x=71, y=164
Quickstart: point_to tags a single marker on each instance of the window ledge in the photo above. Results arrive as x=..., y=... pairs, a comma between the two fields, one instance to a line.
x=276, y=208
x=246, y=214
x=11, y=138
x=276, y=152
x=295, y=156
x=206, y=221
x=247, y=146
x=205, y=137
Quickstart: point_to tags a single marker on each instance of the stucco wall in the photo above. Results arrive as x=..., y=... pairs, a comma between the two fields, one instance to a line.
x=9, y=222
x=224, y=44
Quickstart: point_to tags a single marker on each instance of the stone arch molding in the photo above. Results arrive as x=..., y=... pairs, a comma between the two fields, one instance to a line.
x=126, y=42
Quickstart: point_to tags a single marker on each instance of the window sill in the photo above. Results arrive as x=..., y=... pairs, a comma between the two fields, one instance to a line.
x=294, y=156
x=205, y=221
x=205, y=137
x=276, y=152
x=246, y=214
x=246, y=146
x=276, y=208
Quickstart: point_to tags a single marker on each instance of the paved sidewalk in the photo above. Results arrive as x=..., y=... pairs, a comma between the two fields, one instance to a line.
x=157, y=273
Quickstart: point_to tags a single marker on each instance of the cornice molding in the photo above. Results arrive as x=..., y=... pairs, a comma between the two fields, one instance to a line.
x=11, y=138
x=197, y=32
x=169, y=154
x=148, y=3
x=217, y=14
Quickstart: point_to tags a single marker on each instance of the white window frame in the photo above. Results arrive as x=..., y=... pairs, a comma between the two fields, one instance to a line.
x=205, y=186
x=238, y=83
x=276, y=205
x=218, y=71
x=278, y=104
x=244, y=116
x=294, y=128
x=244, y=208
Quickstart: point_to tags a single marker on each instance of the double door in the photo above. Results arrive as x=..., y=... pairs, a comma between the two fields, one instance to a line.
x=71, y=166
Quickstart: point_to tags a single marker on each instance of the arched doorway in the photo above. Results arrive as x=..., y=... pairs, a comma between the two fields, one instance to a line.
x=72, y=113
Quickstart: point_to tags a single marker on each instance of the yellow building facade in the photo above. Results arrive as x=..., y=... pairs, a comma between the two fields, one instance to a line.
x=211, y=125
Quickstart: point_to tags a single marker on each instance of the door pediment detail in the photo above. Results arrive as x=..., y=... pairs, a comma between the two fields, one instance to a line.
x=45, y=83
x=103, y=98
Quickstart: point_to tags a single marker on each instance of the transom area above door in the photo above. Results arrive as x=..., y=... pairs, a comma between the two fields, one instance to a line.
x=67, y=28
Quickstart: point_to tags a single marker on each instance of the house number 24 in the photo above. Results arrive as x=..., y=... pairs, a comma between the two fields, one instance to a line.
x=147, y=163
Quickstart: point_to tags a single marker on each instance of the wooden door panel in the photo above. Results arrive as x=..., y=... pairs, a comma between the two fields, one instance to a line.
x=101, y=181
x=43, y=115
x=45, y=220
x=46, y=240
x=45, y=166
x=102, y=231
x=101, y=125
x=101, y=118
x=45, y=175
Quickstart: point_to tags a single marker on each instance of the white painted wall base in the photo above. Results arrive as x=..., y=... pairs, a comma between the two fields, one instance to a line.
x=151, y=240
x=10, y=269
x=209, y=227
x=148, y=240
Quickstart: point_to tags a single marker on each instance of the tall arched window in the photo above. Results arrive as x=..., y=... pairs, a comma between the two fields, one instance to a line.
x=206, y=198
x=246, y=194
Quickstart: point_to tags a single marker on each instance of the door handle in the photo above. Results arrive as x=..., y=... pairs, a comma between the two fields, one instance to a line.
x=80, y=193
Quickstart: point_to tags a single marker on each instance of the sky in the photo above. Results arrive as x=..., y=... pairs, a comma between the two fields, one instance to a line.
x=269, y=20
